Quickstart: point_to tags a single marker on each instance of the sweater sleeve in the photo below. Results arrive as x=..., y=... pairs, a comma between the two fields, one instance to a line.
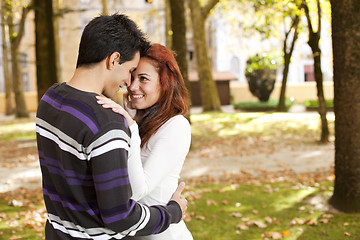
x=169, y=147
x=108, y=156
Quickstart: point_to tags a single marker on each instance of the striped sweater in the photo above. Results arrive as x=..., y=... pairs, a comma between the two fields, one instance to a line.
x=83, y=152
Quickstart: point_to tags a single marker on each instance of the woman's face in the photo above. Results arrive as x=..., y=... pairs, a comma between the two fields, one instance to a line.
x=144, y=90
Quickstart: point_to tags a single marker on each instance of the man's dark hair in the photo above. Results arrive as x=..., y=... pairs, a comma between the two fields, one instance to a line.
x=107, y=34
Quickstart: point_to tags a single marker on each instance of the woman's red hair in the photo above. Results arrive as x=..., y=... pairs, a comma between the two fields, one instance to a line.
x=173, y=98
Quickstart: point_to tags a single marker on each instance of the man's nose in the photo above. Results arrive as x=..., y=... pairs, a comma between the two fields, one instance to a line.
x=128, y=80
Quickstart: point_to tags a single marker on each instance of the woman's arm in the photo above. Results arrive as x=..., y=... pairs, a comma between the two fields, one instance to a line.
x=169, y=147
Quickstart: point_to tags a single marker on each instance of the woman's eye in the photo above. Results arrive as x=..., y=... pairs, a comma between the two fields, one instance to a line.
x=143, y=79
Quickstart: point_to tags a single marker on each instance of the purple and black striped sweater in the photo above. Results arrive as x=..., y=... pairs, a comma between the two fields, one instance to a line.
x=83, y=152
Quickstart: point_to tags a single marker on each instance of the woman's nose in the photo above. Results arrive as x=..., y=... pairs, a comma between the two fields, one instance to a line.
x=134, y=85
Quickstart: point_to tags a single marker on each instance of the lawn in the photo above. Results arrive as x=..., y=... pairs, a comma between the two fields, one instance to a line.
x=275, y=206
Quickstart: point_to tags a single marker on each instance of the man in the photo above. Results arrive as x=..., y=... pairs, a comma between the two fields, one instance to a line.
x=83, y=148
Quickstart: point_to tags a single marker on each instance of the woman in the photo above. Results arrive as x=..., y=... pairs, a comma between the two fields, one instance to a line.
x=159, y=97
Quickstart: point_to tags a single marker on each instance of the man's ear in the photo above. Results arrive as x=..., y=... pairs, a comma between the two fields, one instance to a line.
x=112, y=60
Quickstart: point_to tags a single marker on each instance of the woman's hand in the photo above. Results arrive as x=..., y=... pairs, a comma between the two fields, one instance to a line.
x=108, y=103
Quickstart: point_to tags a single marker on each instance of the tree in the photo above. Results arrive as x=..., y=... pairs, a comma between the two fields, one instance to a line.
x=209, y=95
x=314, y=39
x=168, y=22
x=45, y=46
x=56, y=18
x=15, y=39
x=288, y=51
x=104, y=4
x=179, y=45
x=9, y=109
x=346, y=52
x=274, y=19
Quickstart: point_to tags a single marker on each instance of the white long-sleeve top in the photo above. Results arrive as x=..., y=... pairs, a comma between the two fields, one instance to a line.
x=154, y=170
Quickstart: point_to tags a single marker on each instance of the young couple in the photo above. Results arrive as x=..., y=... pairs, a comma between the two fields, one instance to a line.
x=106, y=176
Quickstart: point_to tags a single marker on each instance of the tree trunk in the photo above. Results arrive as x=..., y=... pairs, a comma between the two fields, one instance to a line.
x=320, y=93
x=57, y=7
x=346, y=51
x=209, y=95
x=314, y=39
x=287, y=57
x=9, y=108
x=104, y=7
x=45, y=46
x=179, y=45
x=168, y=24
x=15, y=39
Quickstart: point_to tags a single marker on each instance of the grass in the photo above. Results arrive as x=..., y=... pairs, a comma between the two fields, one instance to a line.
x=215, y=207
x=21, y=222
x=17, y=130
x=239, y=211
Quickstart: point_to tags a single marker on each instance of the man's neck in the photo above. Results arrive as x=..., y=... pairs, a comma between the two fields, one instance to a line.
x=87, y=80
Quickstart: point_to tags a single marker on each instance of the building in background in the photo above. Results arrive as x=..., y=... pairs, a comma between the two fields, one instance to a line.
x=229, y=45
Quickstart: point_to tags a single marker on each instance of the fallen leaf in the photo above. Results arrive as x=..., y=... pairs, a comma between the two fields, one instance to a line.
x=324, y=220
x=258, y=224
x=296, y=221
x=235, y=214
x=242, y=226
x=327, y=215
x=302, y=208
x=237, y=204
x=211, y=202
x=268, y=219
x=286, y=233
x=201, y=218
x=273, y=235
x=347, y=234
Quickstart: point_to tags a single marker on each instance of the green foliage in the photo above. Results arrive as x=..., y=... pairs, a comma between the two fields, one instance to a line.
x=256, y=106
x=263, y=61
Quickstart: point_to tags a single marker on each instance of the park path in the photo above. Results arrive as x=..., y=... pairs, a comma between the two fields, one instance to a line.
x=26, y=171
x=19, y=165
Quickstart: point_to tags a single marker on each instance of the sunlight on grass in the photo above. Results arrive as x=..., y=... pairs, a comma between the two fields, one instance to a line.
x=291, y=198
x=248, y=211
x=264, y=124
x=25, y=130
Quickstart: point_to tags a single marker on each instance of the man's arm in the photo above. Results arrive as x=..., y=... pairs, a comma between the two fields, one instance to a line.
x=108, y=158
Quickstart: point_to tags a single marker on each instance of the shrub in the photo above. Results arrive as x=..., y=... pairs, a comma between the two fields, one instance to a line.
x=260, y=73
x=262, y=106
x=314, y=104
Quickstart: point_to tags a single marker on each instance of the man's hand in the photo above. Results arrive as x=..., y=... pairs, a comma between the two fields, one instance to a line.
x=180, y=199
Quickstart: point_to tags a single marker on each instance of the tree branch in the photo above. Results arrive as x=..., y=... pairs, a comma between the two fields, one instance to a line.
x=319, y=17
x=210, y=4
x=20, y=34
x=306, y=9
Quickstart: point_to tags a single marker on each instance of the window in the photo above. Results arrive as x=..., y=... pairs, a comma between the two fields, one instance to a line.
x=26, y=81
x=309, y=73
x=24, y=60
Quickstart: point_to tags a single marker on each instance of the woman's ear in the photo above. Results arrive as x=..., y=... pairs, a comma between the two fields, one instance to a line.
x=112, y=60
